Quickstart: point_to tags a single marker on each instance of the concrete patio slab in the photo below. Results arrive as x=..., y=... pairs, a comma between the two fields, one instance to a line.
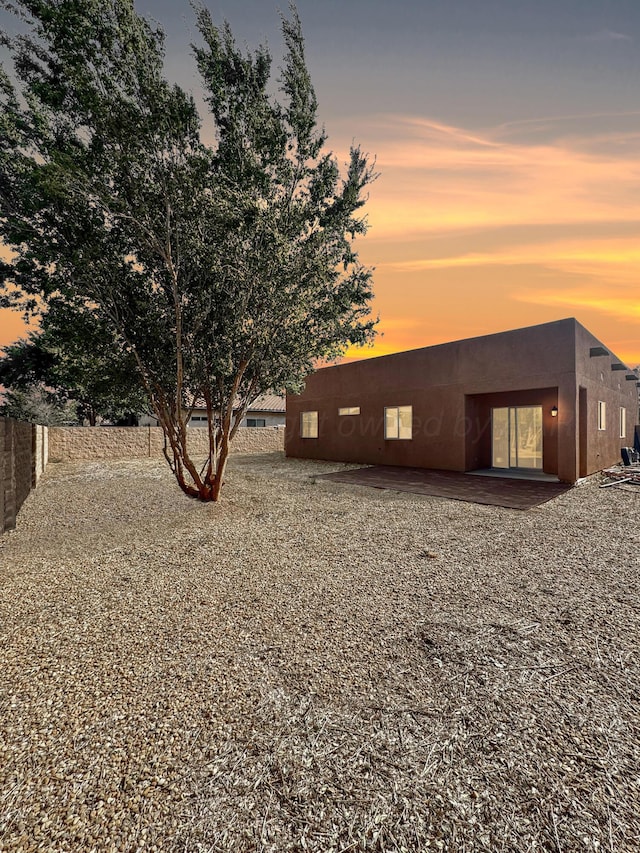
x=494, y=491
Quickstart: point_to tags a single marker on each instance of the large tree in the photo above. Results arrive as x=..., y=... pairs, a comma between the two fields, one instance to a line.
x=222, y=270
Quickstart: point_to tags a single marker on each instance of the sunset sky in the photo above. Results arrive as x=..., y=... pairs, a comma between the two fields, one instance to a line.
x=507, y=135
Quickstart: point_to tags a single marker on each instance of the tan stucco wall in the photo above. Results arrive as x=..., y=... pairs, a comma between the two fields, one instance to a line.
x=71, y=444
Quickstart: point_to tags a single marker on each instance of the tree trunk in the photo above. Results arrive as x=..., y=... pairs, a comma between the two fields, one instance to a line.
x=205, y=488
x=218, y=481
x=206, y=483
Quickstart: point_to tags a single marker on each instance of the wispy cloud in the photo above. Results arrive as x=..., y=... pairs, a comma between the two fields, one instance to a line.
x=546, y=120
x=596, y=257
x=477, y=230
x=437, y=178
x=619, y=304
x=606, y=35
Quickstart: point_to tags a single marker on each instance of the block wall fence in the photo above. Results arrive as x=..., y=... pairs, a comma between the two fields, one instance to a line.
x=26, y=448
x=74, y=444
x=23, y=458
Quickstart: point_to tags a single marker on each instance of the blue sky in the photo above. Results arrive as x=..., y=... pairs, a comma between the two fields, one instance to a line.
x=473, y=63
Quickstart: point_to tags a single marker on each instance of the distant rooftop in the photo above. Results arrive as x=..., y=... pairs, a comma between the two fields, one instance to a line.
x=268, y=403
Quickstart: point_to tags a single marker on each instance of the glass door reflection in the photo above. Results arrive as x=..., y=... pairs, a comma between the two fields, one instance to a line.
x=517, y=437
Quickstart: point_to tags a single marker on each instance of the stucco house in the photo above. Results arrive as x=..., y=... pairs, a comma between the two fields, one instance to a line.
x=549, y=398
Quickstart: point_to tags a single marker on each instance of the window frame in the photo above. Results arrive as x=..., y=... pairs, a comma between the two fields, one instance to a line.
x=602, y=416
x=302, y=424
x=348, y=411
x=258, y=423
x=398, y=409
x=623, y=422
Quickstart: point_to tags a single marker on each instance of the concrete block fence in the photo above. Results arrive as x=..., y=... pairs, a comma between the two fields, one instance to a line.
x=26, y=448
x=23, y=458
x=72, y=444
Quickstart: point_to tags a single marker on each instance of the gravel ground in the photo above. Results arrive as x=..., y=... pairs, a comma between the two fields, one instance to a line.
x=316, y=666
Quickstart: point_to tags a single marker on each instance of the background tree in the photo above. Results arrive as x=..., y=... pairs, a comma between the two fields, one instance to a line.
x=37, y=405
x=221, y=271
x=24, y=370
x=56, y=364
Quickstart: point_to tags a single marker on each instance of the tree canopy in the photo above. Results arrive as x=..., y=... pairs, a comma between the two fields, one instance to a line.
x=78, y=381
x=219, y=271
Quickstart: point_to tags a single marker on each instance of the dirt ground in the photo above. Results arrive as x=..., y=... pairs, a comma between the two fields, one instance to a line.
x=316, y=666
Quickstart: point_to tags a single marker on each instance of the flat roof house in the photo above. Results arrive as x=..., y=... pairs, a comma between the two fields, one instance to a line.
x=549, y=398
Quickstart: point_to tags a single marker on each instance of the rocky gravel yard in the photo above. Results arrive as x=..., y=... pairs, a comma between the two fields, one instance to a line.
x=316, y=666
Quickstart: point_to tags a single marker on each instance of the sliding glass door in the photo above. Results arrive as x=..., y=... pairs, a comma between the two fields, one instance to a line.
x=517, y=437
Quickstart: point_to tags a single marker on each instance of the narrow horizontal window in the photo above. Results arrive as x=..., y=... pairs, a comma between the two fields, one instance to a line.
x=623, y=422
x=309, y=425
x=398, y=422
x=350, y=410
x=256, y=422
x=602, y=415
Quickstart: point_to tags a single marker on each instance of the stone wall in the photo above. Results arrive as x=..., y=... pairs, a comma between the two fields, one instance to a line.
x=23, y=458
x=71, y=444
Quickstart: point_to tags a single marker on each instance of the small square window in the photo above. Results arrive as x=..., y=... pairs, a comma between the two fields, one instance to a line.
x=309, y=425
x=398, y=422
x=350, y=410
x=623, y=422
x=602, y=415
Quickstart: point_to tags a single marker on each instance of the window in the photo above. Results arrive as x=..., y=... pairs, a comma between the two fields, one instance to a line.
x=309, y=425
x=602, y=415
x=397, y=421
x=623, y=422
x=350, y=410
x=198, y=419
x=256, y=422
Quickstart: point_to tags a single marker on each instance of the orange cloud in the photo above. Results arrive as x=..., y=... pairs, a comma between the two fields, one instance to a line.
x=479, y=230
x=437, y=178
x=619, y=304
x=618, y=257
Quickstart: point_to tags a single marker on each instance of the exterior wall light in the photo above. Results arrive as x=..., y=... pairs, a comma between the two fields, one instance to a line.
x=554, y=412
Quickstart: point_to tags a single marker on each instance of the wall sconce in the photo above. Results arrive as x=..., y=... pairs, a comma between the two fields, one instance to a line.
x=554, y=412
